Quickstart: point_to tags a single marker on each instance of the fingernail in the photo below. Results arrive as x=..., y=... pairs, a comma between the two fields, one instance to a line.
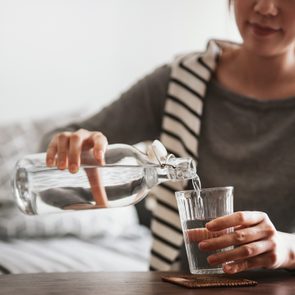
x=101, y=156
x=50, y=162
x=73, y=168
x=203, y=245
x=211, y=260
x=229, y=268
x=209, y=225
x=61, y=164
x=98, y=155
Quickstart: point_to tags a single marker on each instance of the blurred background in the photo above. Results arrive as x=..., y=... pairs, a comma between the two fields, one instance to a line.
x=61, y=55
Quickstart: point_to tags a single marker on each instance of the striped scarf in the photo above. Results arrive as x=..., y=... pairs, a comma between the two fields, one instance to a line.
x=180, y=134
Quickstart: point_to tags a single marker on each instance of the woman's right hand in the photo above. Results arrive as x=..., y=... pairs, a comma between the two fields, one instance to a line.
x=65, y=148
x=64, y=151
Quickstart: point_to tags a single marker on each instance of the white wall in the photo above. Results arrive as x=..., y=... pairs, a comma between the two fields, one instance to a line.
x=58, y=55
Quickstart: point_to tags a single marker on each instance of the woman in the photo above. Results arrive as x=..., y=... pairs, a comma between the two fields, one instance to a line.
x=243, y=97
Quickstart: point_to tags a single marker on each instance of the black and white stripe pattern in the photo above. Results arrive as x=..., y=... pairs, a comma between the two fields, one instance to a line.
x=180, y=134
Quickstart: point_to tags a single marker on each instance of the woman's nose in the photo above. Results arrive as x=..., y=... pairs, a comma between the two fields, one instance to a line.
x=267, y=7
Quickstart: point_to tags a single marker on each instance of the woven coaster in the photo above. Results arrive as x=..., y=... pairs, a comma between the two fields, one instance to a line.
x=207, y=281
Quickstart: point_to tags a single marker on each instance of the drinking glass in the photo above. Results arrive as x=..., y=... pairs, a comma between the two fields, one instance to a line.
x=196, y=208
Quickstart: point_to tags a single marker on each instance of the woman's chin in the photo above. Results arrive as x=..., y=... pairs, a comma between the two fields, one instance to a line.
x=263, y=49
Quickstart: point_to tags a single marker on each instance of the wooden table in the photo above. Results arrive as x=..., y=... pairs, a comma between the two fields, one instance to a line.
x=139, y=283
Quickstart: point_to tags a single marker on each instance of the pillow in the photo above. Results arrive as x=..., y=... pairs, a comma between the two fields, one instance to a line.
x=84, y=224
x=21, y=138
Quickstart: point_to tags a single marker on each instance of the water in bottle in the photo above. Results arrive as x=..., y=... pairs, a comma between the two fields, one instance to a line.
x=124, y=179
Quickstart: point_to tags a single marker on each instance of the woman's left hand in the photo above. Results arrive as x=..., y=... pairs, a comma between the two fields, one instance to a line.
x=257, y=243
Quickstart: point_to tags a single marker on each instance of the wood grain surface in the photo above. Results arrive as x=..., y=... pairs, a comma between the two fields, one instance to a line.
x=142, y=283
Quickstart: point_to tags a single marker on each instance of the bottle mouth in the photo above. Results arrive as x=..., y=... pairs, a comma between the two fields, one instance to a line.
x=182, y=168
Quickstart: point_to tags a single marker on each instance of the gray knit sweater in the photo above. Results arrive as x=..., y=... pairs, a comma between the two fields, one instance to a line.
x=244, y=142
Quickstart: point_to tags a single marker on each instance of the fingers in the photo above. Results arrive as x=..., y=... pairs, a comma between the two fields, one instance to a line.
x=241, y=218
x=241, y=253
x=253, y=226
x=253, y=233
x=57, y=151
x=265, y=260
x=98, y=191
x=75, y=148
x=62, y=151
x=200, y=234
x=50, y=154
x=65, y=148
x=99, y=146
x=235, y=238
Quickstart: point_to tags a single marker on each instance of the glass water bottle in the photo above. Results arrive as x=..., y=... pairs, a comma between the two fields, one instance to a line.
x=124, y=179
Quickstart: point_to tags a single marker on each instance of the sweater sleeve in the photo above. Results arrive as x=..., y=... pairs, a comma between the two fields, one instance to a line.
x=134, y=117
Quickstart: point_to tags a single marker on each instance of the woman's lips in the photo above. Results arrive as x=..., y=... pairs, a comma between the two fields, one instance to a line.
x=262, y=31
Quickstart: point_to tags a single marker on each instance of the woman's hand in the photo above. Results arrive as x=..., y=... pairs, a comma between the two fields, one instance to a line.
x=64, y=151
x=257, y=243
x=65, y=148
